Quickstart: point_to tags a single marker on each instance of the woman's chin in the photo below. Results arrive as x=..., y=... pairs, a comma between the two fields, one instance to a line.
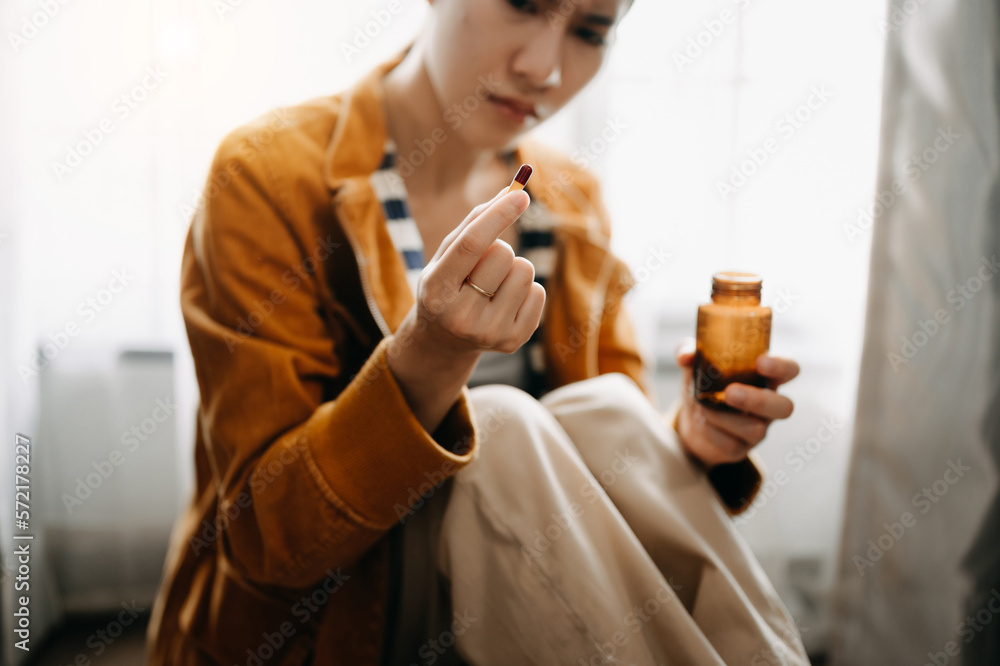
x=492, y=138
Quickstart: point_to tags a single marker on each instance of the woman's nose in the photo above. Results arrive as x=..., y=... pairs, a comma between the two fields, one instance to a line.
x=538, y=63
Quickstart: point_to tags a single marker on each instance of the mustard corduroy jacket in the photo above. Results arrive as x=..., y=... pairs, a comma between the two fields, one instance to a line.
x=306, y=449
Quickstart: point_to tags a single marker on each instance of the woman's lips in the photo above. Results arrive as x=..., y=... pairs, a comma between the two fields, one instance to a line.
x=516, y=110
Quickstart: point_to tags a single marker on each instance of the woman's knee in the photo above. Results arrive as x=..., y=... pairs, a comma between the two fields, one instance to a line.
x=620, y=388
x=616, y=391
x=508, y=418
x=496, y=406
x=614, y=398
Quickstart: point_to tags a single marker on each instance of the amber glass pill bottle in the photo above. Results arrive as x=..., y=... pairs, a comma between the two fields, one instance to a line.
x=733, y=330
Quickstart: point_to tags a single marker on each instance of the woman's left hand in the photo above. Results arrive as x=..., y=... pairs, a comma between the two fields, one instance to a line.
x=715, y=437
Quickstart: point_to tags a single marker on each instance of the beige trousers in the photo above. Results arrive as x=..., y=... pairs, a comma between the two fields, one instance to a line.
x=582, y=534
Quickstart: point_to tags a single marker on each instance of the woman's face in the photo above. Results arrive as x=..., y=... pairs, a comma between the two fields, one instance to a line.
x=499, y=67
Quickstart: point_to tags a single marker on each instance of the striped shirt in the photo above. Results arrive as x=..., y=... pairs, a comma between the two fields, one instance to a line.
x=525, y=368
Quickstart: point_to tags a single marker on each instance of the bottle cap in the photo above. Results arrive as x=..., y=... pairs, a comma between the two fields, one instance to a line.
x=729, y=282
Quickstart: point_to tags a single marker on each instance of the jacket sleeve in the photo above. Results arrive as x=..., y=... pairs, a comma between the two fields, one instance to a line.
x=303, y=482
x=618, y=351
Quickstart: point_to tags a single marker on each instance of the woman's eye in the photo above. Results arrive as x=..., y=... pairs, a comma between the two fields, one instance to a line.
x=590, y=36
x=526, y=6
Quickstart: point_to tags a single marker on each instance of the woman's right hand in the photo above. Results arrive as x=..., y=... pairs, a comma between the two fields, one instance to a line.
x=458, y=318
x=451, y=323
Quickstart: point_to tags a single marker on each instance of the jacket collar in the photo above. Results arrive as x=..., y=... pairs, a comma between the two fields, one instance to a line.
x=355, y=151
x=358, y=139
x=355, y=148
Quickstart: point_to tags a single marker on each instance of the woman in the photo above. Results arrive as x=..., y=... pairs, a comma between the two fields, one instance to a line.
x=356, y=501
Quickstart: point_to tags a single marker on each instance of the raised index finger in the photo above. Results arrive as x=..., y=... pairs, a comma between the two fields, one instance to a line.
x=476, y=212
x=469, y=246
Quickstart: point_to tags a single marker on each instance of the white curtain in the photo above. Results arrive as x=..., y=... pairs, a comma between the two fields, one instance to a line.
x=921, y=478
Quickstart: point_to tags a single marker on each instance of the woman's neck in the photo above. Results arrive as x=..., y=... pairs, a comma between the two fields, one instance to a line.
x=415, y=121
